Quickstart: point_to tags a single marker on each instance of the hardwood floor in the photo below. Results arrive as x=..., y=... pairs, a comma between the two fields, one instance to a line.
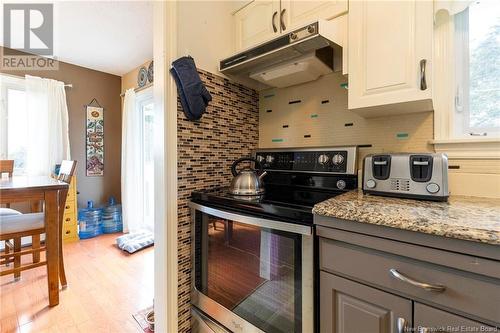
x=105, y=288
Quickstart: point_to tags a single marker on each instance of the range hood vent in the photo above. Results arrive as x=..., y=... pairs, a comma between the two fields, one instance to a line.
x=302, y=55
x=305, y=68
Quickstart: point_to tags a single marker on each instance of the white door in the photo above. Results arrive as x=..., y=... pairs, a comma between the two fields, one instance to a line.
x=145, y=107
x=390, y=52
x=256, y=23
x=295, y=13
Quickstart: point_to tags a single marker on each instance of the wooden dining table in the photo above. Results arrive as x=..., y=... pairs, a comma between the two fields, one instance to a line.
x=53, y=193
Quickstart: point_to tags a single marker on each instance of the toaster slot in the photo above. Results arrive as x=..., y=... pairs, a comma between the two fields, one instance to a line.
x=381, y=166
x=421, y=168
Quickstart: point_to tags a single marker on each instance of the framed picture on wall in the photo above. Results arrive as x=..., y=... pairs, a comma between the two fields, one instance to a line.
x=95, y=140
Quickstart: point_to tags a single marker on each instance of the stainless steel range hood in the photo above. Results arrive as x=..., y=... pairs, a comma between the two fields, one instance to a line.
x=293, y=58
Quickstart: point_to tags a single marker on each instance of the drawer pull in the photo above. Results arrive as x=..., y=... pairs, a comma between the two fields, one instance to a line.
x=68, y=219
x=67, y=207
x=423, y=285
x=423, y=81
x=402, y=325
x=274, y=24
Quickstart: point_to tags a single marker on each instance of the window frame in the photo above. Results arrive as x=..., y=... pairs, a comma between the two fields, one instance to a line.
x=8, y=82
x=444, y=92
x=461, y=108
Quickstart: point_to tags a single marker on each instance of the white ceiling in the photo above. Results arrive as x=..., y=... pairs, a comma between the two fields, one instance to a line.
x=109, y=36
x=112, y=36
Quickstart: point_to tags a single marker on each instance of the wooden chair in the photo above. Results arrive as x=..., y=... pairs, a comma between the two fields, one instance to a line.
x=22, y=225
x=7, y=166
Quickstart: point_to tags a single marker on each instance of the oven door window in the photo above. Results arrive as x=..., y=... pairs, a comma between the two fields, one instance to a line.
x=254, y=272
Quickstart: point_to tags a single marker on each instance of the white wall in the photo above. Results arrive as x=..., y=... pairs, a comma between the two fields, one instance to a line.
x=205, y=32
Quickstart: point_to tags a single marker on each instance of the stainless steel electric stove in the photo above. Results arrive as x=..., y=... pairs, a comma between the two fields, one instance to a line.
x=253, y=255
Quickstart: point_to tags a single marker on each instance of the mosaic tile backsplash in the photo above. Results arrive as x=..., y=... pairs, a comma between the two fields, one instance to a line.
x=315, y=114
x=227, y=131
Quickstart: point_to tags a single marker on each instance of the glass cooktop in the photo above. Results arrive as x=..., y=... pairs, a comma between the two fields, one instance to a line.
x=284, y=203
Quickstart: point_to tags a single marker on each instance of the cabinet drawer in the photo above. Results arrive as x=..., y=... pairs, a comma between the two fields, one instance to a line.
x=71, y=194
x=69, y=219
x=70, y=232
x=465, y=292
x=69, y=207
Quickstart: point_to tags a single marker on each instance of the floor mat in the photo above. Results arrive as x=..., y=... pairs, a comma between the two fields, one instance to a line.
x=141, y=321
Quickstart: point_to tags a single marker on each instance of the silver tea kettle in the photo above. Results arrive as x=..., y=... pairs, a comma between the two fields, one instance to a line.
x=248, y=181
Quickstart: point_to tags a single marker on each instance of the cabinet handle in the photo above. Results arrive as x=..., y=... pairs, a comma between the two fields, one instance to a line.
x=282, y=21
x=401, y=325
x=426, y=286
x=423, y=81
x=273, y=21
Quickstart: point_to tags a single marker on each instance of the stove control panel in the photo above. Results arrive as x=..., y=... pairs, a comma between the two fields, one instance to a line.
x=338, y=160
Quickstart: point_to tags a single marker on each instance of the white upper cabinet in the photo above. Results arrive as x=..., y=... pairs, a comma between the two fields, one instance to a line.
x=262, y=20
x=295, y=13
x=256, y=22
x=390, y=56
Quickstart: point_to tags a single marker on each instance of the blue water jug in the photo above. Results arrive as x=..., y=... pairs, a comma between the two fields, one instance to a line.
x=112, y=217
x=89, y=221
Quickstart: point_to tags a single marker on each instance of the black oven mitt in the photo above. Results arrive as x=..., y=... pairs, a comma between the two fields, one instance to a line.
x=192, y=92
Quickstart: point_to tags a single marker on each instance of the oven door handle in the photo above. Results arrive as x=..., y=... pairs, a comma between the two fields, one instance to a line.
x=259, y=222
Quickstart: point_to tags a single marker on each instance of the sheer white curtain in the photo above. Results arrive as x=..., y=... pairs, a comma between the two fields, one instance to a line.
x=47, y=114
x=132, y=189
x=451, y=6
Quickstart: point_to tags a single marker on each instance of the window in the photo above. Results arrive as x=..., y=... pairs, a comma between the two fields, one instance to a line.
x=13, y=137
x=145, y=106
x=477, y=70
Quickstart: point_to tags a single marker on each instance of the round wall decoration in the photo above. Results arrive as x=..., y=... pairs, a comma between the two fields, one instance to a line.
x=142, y=77
x=150, y=72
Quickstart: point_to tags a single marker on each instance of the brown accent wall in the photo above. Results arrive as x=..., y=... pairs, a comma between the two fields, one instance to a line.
x=206, y=149
x=129, y=80
x=88, y=84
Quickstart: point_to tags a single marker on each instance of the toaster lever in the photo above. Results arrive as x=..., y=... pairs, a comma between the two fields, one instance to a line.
x=420, y=162
x=380, y=162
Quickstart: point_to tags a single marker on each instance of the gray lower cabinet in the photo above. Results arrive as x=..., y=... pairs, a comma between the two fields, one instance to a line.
x=351, y=307
x=429, y=319
x=380, y=284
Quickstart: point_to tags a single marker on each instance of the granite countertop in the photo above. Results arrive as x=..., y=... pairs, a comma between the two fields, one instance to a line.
x=467, y=218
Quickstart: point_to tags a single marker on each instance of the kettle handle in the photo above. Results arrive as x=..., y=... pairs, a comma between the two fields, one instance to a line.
x=238, y=161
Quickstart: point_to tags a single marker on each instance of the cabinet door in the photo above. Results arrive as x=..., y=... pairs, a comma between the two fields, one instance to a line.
x=429, y=319
x=350, y=307
x=297, y=13
x=254, y=23
x=388, y=42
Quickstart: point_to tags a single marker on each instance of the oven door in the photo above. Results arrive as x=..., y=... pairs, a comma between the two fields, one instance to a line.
x=252, y=274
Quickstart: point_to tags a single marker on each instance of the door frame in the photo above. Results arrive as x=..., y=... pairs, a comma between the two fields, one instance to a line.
x=165, y=174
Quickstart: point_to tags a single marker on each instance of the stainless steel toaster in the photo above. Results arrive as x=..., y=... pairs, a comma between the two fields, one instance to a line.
x=408, y=175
